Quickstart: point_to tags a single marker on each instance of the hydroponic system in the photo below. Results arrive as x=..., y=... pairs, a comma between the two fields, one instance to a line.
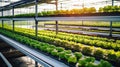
x=57, y=33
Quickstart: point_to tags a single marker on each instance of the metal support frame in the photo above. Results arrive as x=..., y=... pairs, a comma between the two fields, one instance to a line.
x=13, y=25
x=82, y=24
x=36, y=24
x=36, y=15
x=36, y=28
x=13, y=20
x=56, y=27
x=36, y=8
x=2, y=24
x=56, y=3
x=2, y=20
x=36, y=64
x=112, y=2
x=110, y=29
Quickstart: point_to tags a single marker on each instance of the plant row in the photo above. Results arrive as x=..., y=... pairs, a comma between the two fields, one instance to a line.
x=71, y=57
x=85, y=24
x=109, y=8
x=109, y=55
x=73, y=12
x=86, y=41
x=92, y=41
x=51, y=33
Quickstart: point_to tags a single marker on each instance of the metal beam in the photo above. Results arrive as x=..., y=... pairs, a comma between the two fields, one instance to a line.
x=81, y=18
x=84, y=18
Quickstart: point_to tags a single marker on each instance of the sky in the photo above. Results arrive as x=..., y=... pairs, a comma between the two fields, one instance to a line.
x=67, y=4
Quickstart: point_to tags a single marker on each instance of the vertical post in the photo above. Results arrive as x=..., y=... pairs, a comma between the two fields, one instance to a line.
x=36, y=28
x=56, y=27
x=82, y=20
x=36, y=15
x=110, y=29
x=2, y=20
x=13, y=20
x=112, y=2
x=36, y=24
x=56, y=4
x=111, y=22
x=56, y=21
x=83, y=4
x=61, y=5
x=36, y=64
x=82, y=25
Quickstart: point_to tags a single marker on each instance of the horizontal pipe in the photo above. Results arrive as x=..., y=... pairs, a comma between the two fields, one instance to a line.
x=85, y=18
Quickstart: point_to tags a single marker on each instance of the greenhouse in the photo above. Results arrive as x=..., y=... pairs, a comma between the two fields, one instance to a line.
x=59, y=33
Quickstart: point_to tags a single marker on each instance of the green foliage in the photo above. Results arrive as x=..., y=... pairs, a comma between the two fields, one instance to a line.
x=99, y=53
x=90, y=59
x=54, y=52
x=109, y=8
x=104, y=64
x=82, y=62
x=111, y=55
x=72, y=59
x=62, y=55
x=78, y=55
x=91, y=65
x=87, y=50
x=60, y=49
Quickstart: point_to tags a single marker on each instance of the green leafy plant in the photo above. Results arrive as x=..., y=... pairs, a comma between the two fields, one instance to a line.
x=99, y=53
x=78, y=55
x=104, y=64
x=72, y=59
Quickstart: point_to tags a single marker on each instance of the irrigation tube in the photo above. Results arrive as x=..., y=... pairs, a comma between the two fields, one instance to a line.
x=5, y=60
x=44, y=60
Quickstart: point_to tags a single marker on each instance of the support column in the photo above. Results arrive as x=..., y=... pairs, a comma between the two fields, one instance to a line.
x=56, y=20
x=36, y=15
x=110, y=29
x=13, y=20
x=36, y=64
x=36, y=24
x=36, y=28
x=56, y=27
x=2, y=24
x=112, y=2
x=82, y=25
x=2, y=20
